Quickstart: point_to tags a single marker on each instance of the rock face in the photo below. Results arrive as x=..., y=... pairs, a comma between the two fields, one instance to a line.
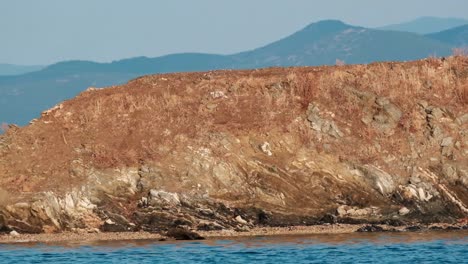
x=378, y=179
x=183, y=152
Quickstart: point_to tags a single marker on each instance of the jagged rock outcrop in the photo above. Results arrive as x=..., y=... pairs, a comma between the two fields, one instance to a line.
x=379, y=143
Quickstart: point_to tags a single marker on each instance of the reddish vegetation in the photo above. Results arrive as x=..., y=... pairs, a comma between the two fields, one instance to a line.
x=122, y=126
x=155, y=119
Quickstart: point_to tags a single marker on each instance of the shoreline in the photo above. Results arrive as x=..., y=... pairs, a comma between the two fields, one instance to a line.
x=84, y=236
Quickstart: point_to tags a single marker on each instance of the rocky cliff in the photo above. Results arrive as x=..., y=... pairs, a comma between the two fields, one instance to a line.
x=378, y=143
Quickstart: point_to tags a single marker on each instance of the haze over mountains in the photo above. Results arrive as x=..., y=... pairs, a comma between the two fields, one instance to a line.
x=427, y=25
x=23, y=97
x=11, y=69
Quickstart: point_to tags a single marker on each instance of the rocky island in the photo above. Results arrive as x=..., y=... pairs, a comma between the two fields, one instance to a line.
x=378, y=144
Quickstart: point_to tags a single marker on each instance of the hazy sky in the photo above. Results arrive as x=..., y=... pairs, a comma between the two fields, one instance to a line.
x=47, y=31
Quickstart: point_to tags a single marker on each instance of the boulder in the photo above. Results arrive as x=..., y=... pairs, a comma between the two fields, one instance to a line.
x=110, y=226
x=423, y=192
x=342, y=210
x=437, y=113
x=209, y=226
x=14, y=234
x=383, y=116
x=265, y=148
x=205, y=212
x=463, y=119
x=370, y=228
x=329, y=219
x=403, y=211
x=240, y=220
x=446, y=142
x=378, y=179
x=393, y=112
x=413, y=228
x=320, y=124
x=165, y=197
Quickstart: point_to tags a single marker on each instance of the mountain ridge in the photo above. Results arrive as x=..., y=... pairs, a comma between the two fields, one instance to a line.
x=457, y=36
x=426, y=25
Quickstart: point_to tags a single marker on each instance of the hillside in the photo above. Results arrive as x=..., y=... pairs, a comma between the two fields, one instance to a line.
x=229, y=150
x=23, y=97
x=324, y=42
x=427, y=25
x=455, y=36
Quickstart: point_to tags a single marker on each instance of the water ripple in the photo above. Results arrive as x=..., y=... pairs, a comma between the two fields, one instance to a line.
x=368, y=248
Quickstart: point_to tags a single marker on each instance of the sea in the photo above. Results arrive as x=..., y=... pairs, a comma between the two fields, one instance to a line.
x=414, y=247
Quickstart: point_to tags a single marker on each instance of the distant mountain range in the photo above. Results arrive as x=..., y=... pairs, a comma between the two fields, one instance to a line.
x=23, y=97
x=427, y=25
x=323, y=42
x=10, y=69
x=456, y=36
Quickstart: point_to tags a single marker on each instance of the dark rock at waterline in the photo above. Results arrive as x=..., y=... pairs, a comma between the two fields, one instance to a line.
x=352, y=221
x=263, y=217
x=3, y=227
x=370, y=228
x=450, y=228
x=413, y=228
x=209, y=226
x=5, y=230
x=182, y=222
x=183, y=234
x=113, y=227
x=329, y=219
x=393, y=222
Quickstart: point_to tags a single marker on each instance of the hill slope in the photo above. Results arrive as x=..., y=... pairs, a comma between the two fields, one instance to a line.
x=455, y=36
x=427, y=25
x=23, y=97
x=379, y=143
x=323, y=42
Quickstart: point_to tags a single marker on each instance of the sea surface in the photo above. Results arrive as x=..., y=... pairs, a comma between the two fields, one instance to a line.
x=424, y=247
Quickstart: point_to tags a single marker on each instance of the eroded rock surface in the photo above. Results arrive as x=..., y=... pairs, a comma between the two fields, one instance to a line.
x=178, y=153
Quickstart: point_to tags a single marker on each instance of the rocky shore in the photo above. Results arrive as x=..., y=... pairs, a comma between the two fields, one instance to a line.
x=238, y=152
x=96, y=236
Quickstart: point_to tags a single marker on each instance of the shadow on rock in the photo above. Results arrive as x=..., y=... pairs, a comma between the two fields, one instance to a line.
x=183, y=234
x=371, y=228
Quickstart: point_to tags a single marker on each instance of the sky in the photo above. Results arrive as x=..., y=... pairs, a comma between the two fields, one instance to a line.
x=44, y=32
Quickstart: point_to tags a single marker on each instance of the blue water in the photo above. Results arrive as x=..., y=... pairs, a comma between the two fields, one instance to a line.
x=443, y=247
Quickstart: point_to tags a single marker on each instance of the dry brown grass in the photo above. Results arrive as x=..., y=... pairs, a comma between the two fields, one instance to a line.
x=4, y=197
x=151, y=116
x=304, y=88
x=462, y=94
